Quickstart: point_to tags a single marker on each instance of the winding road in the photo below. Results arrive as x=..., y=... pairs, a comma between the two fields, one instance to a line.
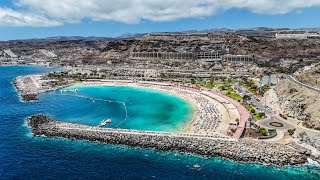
x=293, y=80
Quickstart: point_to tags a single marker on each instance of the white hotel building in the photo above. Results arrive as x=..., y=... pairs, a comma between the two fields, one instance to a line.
x=296, y=35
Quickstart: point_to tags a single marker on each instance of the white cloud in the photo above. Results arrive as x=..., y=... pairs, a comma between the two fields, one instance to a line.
x=9, y=17
x=55, y=12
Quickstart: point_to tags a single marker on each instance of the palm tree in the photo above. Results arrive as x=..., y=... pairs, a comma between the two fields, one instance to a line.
x=237, y=120
x=246, y=97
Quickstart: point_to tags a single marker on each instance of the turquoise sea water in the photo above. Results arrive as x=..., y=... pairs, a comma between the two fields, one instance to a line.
x=128, y=107
x=25, y=157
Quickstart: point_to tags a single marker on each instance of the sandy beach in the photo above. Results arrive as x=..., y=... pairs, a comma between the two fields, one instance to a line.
x=210, y=115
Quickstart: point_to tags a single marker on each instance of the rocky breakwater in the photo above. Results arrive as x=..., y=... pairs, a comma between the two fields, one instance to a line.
x=241, y=150
x=25, y=88
x=29, y=87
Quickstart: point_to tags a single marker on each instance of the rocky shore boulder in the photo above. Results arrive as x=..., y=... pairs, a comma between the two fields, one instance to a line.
x=241, y=150
x=29, y=97
x=37, y=120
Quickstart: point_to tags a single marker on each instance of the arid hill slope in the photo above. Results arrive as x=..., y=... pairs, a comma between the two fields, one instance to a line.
x=296, y=102
x=310, y=76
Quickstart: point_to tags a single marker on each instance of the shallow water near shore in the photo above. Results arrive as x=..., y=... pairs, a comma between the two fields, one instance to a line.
x=25, y=157
x=128, y=107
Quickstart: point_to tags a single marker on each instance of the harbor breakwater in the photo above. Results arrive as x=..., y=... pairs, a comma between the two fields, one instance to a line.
x=209, y=146
x=29, y=88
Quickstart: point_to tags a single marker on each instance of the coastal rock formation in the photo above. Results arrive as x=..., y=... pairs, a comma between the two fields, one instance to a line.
x=296, y=102
x=313, y=141
x=98, y=51
x=278, y=48
x=241, y=150
x=309, y=75
x=26, y=88
x=30, y=87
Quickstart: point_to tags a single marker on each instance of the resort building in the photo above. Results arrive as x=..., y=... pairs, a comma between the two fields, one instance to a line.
x=204, y=36
x=296, y=35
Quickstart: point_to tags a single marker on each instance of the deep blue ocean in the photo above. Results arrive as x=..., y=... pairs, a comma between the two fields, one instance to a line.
x=25, y=157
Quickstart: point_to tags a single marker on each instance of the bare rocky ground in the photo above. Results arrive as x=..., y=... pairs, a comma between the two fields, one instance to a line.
x=313, y=141
x=278, y=48
x=296, y=102
x=117, y=51
x=310, y=76
x=29, y=87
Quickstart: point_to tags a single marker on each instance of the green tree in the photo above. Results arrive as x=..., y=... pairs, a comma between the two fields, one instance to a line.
x=237, y=120
x=263, y=131
x=246, y=97
x=302, y=133
x=262, y=114
x=233, y=130
x=291, y=131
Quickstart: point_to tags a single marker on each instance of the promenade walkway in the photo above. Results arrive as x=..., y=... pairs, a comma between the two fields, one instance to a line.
x=244, y=114
x=80, y=127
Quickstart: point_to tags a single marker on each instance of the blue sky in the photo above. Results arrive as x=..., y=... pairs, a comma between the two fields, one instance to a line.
x=22, y=19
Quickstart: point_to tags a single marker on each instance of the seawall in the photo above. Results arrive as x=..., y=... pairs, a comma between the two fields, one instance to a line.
x=29, y=88
x=238, y=150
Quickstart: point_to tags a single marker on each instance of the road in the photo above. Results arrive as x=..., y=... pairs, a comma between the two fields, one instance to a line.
x=293, y=80
x=274, y=115
x=258, y=105
x=266, y=123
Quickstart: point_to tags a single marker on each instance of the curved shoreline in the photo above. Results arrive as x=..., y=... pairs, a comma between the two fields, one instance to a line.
x=187, y=122
x=198, y=140
x=210, y=115
x=200, y=104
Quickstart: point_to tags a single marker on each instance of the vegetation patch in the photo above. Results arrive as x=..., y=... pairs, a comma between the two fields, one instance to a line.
x=231, y=93
x=255, y=115
x=271, y=134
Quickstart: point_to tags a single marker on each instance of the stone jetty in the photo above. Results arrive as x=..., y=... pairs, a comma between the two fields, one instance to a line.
x=29, y=87
x=210, y=146
x=25, y=87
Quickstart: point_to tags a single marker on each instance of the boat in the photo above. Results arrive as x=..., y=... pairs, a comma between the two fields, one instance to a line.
x=70, y=90
x=105, y=122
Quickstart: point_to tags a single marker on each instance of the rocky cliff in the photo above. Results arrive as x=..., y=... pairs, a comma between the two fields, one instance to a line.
x=296, y=102
x=310, y=75
x=101, y=51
